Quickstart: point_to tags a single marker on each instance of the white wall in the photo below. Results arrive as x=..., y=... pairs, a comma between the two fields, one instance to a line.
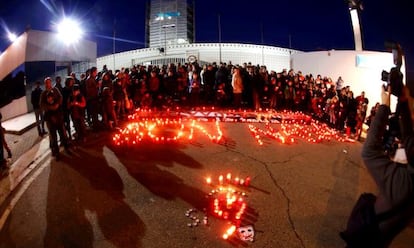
x=361, y=70
x=275, y=58
x=15, y=108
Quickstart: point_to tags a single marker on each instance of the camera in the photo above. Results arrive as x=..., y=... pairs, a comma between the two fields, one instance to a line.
x=392, y=135
x=394, y=78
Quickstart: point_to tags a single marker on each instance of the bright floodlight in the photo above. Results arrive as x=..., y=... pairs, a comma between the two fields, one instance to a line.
x=69, y=31
x=12, y=37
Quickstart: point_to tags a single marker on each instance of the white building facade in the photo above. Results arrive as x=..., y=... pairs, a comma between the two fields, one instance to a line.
x=275, y=58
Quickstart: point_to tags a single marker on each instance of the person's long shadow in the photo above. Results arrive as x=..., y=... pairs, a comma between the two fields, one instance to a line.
x=84, y=198
x=346, y=169
x=143, y=163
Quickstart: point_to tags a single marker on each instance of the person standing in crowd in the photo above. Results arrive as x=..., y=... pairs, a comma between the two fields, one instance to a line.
x=119, y=95
x=51, y=103
x=343, y=110
x=106, y=82
x=76, y=80
x=154, y=83
x=290, y=95
x=195, y=86
x=333, y=111
x=92, y=100
x=109, y=117
x=66, y=93
x=3, y=161
x=339, y=85
x=237, y=84
x=272, y=88
x=82, y=82
x=35, y=100
x=182, y=85
x=76, y=106
x=209, y=82
x=223, y=82
x=362, y=107
x=351, y=119
x=170, y=85
x=394, y=180
x=362, y=103
x=58, y=83
x=258, y=82
x=82, y=85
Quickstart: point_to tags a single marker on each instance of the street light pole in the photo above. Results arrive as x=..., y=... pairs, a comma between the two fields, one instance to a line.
x=113, y=45
x=165, y=42
x=261, y=37
x=354, y=7
x=165, y=36
x=219, y=33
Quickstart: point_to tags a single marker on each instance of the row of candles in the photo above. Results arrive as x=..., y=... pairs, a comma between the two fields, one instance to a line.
x=227, y=115
x=229, y=179
x=292, y=125
x=287, y=132
x=137, y=131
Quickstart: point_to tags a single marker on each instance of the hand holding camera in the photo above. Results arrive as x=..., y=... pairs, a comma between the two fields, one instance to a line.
x=394, y=78
x=386, y=96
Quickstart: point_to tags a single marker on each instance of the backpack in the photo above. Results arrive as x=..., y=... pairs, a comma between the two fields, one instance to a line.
x=362, y=230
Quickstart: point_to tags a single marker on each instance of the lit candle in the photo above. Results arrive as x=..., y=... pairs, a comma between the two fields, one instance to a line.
x=221, y=179
x=247, y=181
x=229, y=232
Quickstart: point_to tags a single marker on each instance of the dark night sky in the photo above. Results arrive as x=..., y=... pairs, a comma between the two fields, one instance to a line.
x=311, y=25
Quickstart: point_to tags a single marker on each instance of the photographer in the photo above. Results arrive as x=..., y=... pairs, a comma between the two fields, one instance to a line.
x=394, y=179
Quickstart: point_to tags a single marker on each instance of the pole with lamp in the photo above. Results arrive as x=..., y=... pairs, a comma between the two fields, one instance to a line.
x=262, y=40
x=354, y=7
x=219, y=34
x=165, y=27
x=113, y=44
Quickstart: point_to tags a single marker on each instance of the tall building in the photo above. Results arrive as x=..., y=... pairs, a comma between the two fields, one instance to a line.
x=169, y=22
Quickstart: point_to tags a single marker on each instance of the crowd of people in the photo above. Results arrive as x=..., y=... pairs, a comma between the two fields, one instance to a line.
x=226, y=85
x=112, y=95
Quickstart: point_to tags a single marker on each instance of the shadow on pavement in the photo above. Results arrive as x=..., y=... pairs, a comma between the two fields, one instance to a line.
x=144, y=164
x=345, y=187
x=94, y=198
